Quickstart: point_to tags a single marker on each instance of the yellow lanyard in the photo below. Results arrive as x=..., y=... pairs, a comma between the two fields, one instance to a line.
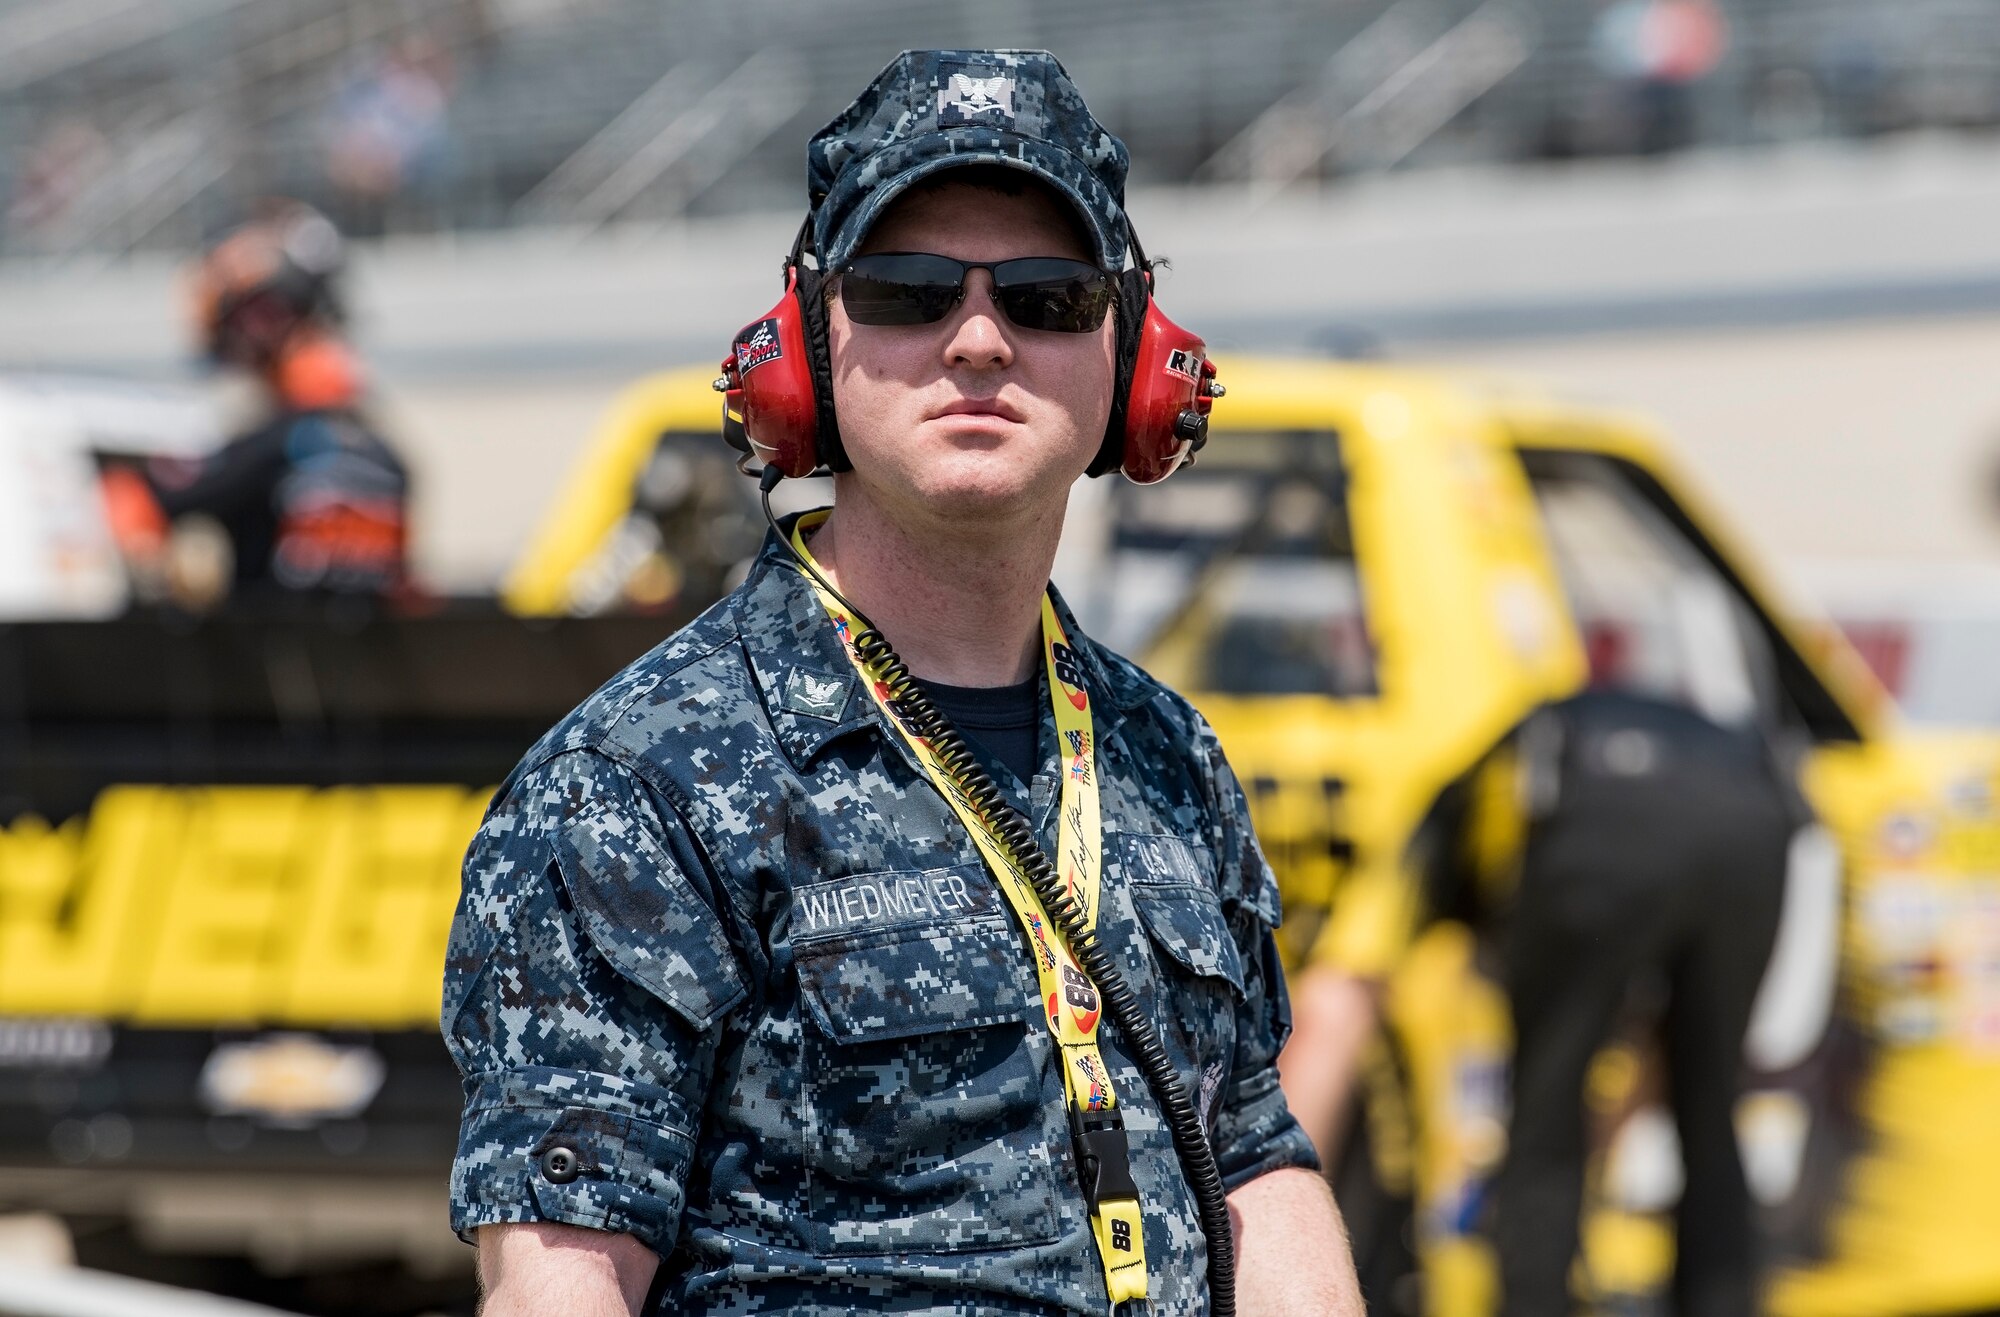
x=1070, y=1001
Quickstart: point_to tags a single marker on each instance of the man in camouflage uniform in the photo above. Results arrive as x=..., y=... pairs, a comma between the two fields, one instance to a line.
x=745, y=1021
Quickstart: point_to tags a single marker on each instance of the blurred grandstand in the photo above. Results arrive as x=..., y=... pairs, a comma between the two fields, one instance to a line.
x=129, y=125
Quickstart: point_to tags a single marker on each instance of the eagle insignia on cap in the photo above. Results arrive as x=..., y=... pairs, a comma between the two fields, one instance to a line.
x=965, y=99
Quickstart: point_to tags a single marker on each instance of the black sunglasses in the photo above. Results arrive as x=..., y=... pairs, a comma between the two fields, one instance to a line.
x=918, y=288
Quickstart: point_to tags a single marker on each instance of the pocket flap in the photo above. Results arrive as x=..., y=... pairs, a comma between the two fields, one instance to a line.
x=644, y=917
x=1187, y=925
x=941, y=977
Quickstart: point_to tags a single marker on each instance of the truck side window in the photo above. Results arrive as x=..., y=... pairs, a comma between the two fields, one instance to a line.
x=690, y=535
x=1256, y=559
x=1656, y=617
x=1290, y=626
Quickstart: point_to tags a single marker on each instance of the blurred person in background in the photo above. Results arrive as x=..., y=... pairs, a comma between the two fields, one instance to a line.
x=1624, y=849
x=66, y=160
x=312, y=499
x=385, y=135
x=1657, y=52
x=1622, y=857
x=1620, y=854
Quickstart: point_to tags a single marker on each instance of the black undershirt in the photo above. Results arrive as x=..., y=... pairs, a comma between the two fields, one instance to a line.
x=1003, y=721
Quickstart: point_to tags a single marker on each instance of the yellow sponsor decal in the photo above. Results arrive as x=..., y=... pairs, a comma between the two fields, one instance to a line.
x=1971, y=847
x=236, y=906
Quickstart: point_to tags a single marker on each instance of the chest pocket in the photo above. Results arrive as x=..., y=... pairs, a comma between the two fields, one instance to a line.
x=926, y=1122
x=1199, y=983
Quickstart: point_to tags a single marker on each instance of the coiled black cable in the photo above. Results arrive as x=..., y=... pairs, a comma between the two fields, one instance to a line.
x=1017, y=835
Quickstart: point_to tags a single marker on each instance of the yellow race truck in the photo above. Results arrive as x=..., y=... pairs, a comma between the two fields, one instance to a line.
x=1418, y=563
x=1370, y=578
x=231, y=847
x=229, y=853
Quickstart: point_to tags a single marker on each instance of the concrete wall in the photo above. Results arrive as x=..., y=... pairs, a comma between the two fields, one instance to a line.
x=1818, y=326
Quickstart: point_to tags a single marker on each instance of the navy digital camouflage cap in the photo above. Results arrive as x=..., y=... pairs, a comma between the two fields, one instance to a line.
x=932, y=110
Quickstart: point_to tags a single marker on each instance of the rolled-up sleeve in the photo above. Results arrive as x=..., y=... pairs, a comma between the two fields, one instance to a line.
x=1254, y=1129
x=585, y=982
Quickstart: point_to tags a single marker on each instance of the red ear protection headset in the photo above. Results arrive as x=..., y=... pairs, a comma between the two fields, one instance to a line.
x=777, y=382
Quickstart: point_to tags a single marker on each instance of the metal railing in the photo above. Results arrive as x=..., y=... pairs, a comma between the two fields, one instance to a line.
x=671, y=142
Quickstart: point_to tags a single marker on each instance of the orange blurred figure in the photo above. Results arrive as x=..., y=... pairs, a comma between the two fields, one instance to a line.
x=313, y=499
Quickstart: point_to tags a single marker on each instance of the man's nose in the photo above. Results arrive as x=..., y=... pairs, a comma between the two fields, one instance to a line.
x=980, y=335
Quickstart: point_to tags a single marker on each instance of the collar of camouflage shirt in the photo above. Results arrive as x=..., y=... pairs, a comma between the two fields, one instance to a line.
x=813, y=692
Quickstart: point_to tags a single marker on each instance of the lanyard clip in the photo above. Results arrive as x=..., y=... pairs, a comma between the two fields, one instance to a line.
x=1103, y=1155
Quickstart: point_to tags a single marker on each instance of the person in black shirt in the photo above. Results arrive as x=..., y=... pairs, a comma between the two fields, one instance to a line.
x=313, y=499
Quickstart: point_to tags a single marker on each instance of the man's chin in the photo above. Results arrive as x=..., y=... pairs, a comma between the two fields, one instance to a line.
x=987, y=484
x=971, y=502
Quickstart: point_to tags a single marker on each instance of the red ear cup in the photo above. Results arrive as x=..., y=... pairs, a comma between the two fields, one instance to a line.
x=1166, y=410
x=769, y=408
